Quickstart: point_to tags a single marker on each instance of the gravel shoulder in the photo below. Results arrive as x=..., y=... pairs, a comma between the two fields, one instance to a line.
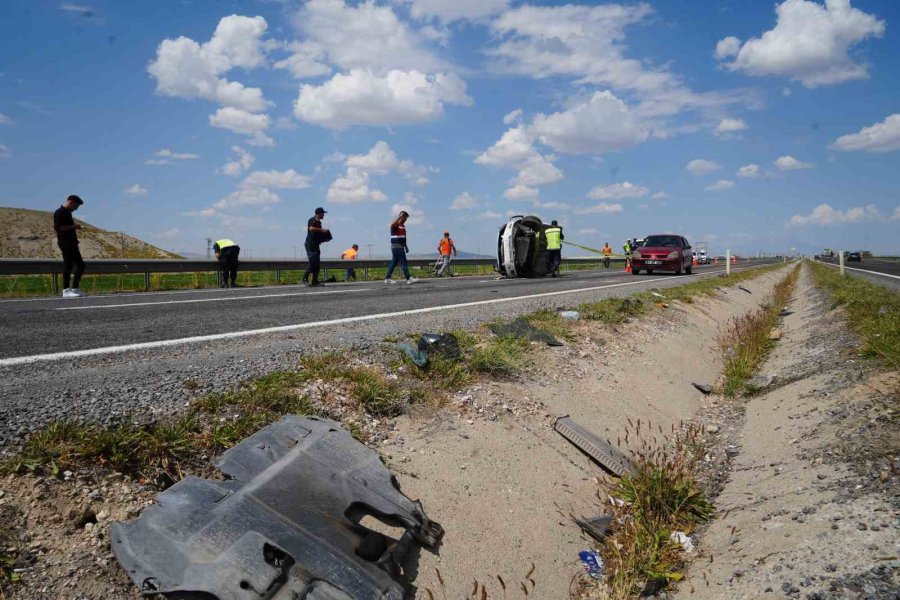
x=809, y=507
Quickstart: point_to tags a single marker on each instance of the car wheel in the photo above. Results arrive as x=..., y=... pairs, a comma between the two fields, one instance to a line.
x=635, y=271
x=689, y=269
x=649, y=271
x=678, y=270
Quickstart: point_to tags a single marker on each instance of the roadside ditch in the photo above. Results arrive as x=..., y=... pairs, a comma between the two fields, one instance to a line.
x=472, y=438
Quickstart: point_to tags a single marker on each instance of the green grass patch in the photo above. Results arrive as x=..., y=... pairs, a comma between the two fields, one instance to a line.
x=745, y=340
x=613, y=311
x=498, y=357
x=661, y=496
x=873, y=311
x=549, y=320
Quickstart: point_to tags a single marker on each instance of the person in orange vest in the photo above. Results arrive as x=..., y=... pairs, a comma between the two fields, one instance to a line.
x=607, y=252
x=447, y=248
x=350, y=254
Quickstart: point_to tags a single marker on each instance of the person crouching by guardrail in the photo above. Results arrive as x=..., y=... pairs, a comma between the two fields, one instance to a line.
x=554, y=237
x=399, y=249
x=315, y=236
x=67, y=240
x=446, y=248
x=350, y=254
x=227, y=252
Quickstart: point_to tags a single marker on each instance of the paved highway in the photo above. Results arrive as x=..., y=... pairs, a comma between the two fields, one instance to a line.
x=55, y=328
x=882, y=272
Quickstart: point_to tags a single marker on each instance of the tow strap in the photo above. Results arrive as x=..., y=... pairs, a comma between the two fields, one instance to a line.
x=594, y=250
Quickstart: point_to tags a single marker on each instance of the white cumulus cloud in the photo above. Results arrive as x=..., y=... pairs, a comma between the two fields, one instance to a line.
x=825, y=215
x=789, y=163
x=167, y=157
x=601, y=124
x=456, y=10
x=810, y=43
x=880, y=137
x=241, y=121
x=896, y=215
x=282, y=180
x=247, y=197
x=659, y=196
x=727, y=126
x=600, y=209
x=720, y=185
x=136, y=190
x=353, y=188
x=237, y=166
x=520, y=192
x=362, y=97
x=464, y=201
x=701, y=166
x=618, y=191
x=749, y=171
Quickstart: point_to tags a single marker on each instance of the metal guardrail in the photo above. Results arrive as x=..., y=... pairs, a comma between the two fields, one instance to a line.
x=145, y=266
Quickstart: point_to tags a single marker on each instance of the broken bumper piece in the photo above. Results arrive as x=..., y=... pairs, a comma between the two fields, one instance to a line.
x=286, y=525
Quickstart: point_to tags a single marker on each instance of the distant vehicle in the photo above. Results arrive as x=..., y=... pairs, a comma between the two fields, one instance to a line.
x=703, y=257
x=827, y=253
x=663, y=253
x=853, y=256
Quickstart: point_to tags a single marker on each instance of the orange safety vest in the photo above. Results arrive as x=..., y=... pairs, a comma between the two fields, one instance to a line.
x=607, y=250
x=349, y=254
x=446, y=244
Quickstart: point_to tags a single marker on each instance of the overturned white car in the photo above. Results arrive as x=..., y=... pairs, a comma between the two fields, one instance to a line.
x=522, y=248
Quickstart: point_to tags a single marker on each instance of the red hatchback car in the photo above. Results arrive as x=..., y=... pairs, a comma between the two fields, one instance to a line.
x=665, y=252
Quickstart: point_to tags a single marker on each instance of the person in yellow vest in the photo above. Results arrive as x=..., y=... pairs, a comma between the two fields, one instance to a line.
x=350, y=254
x=554, y=235
x=227, y=252
x=607, y=252
x=447, y=248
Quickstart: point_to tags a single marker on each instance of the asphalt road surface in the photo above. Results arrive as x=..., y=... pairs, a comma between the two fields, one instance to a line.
x=882, y=272
x=55, y=328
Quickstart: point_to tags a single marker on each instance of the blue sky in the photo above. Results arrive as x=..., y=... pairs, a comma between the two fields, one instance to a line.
x=757, y=126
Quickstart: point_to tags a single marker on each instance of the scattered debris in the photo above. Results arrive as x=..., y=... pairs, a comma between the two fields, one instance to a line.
x=570, y=315
x=760, y=381
x=611, y=459
x=703, y=387
x=592, y=563
x=287, y=523
x=658, y=295
x=740, y=287
x=445, y=345
x=687, y=544
x=775, y=334
x=712, y=429
x=595, y=526
x=419, y=358
x=521, y=328
x=785, y=312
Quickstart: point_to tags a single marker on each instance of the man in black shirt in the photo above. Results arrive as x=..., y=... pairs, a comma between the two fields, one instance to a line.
x=315, y=235
x=67, y=240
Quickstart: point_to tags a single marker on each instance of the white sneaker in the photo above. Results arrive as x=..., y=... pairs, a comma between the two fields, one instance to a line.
x=389, y=281
x=411, y=280
x=69, y=293
x=78, y=293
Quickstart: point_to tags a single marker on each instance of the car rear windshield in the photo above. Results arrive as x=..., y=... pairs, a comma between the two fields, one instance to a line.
x=663, y=241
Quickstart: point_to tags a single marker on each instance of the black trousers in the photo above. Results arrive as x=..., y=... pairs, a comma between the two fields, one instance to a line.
x=72, y=261
x=554, y=257
x=314, y=256
x=228, y=263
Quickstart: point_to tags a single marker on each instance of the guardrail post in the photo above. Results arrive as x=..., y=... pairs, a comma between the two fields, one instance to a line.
x=841, y=260
x=218, y=278
x=147, y=282
x=277, y=276
x=728, y=262
x=56, y=284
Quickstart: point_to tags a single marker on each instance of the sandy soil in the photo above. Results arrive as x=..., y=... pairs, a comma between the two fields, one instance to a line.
x=489, y=468
x=810, y=509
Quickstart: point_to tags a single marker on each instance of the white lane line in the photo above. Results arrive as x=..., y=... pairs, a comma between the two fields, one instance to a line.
x=24, y=360
x=861, y=270
x=230, y=299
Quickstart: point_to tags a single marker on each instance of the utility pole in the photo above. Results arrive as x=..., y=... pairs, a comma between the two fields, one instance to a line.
x=370, y=250
x=208, y=247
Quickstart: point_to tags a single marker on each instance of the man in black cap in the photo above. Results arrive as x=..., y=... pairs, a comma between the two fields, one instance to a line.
x=315, y=235
x=67, y=240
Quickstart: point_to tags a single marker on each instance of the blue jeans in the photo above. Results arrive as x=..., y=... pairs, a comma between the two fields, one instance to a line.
x=398, y=257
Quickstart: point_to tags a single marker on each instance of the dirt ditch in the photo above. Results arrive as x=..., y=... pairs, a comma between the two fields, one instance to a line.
x=503, y=484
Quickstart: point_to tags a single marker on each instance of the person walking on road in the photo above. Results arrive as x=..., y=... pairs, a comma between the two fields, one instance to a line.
x=446, y=247
x=607, y=252
x=227, y=252
x=67, y=240
x=316, y=235
x=554, y=237
x=399, y=248
x=350, y=254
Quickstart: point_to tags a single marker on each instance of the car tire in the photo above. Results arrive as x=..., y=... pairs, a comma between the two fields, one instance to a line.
x=678, y=270
x=635, y=271
x=649, y=271
x=689, y=270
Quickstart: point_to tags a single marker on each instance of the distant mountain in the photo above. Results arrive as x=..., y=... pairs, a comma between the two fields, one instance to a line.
x=28, y=233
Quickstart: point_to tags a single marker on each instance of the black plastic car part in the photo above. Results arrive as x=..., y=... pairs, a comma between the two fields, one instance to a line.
x=288, y=523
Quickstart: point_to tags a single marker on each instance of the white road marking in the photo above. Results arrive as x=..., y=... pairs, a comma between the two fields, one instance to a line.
x=228, y=299
x=24, y=360
x=861, y=270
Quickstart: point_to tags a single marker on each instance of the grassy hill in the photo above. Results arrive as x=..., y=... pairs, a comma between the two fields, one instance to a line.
x=29, y=234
